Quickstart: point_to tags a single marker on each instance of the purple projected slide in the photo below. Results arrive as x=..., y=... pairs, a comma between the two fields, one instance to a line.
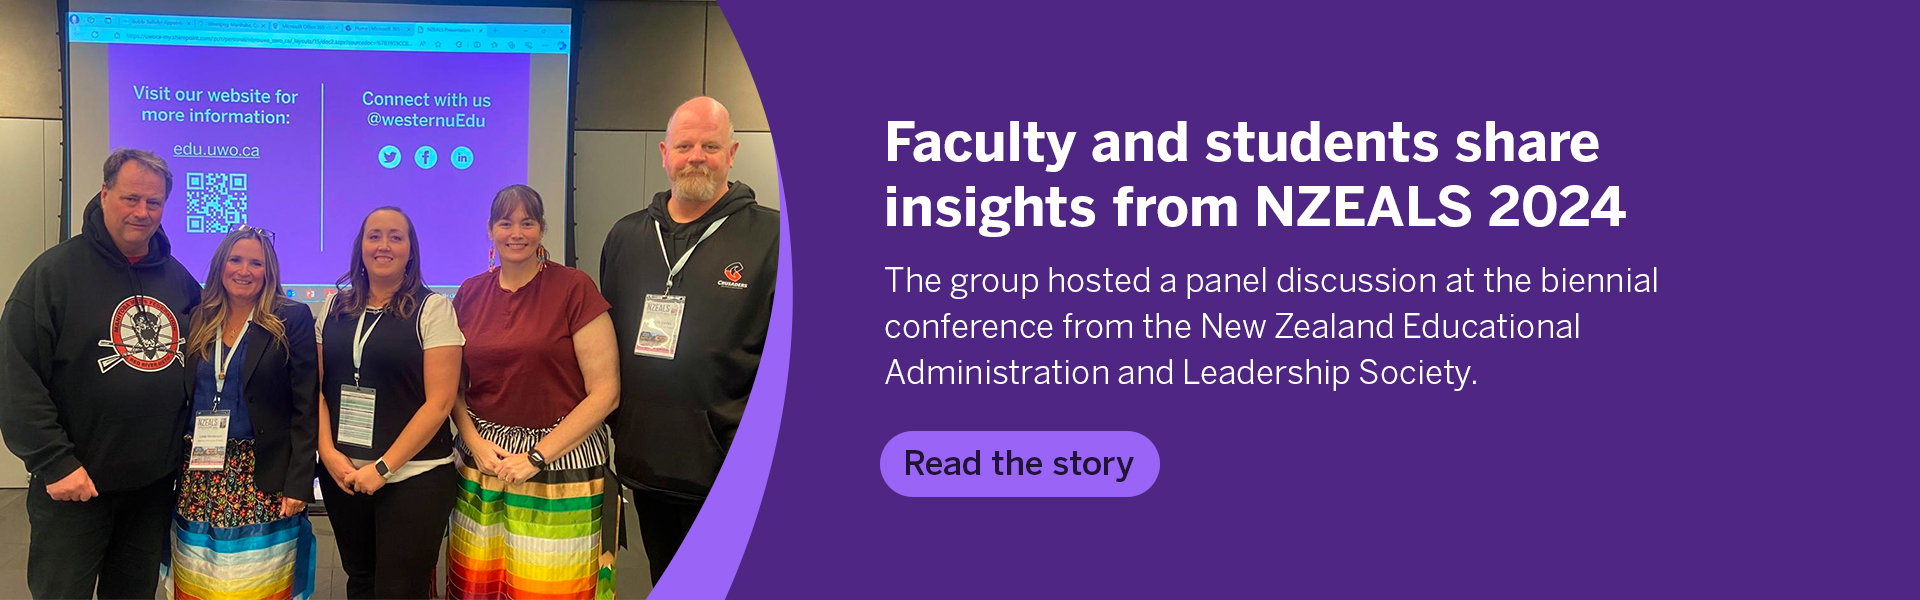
x=307, y=142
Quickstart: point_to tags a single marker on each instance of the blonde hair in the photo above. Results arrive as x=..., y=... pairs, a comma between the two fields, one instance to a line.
x=212, y=313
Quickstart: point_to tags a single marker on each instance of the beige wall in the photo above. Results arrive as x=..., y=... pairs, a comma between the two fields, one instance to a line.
x=29, y=59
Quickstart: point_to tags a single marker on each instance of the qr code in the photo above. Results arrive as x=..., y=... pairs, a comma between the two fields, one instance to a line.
x=216, y=202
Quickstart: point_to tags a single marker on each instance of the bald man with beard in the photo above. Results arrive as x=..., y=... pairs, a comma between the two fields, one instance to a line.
x=690, y=279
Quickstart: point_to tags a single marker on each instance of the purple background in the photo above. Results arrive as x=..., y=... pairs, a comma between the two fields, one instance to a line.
x=448, y=205
x=1739, y=434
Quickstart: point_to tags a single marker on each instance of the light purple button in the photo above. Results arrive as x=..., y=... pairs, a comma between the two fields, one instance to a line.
x=1030, y=464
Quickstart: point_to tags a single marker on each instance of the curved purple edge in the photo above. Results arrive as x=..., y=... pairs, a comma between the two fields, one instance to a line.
x=707, y=561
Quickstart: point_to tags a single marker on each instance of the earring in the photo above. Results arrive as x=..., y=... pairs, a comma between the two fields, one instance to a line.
x=493, y=260
x=543, y=253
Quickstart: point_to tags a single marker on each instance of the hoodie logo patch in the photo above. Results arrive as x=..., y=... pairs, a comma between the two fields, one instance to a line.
x=146, y=336
x=734, y=272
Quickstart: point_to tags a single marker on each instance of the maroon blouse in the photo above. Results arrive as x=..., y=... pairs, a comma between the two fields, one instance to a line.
x=521, y=370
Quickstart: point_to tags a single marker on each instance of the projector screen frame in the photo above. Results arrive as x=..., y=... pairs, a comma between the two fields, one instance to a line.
x=575, y=9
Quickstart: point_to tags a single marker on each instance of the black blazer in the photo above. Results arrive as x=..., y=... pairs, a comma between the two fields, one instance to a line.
x=282, y=388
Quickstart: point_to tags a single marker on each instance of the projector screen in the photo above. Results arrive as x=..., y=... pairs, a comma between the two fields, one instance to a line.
x=302, y=117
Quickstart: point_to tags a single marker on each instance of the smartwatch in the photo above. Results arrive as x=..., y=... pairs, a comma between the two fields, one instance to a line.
x=539, y=461
x=380, y=466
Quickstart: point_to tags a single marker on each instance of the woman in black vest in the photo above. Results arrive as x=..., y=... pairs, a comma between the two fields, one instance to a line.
x=390, y=367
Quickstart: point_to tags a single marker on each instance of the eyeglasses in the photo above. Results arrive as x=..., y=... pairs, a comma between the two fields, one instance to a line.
x=262, y=232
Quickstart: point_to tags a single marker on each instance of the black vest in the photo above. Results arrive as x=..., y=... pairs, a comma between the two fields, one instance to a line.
x=393, y=364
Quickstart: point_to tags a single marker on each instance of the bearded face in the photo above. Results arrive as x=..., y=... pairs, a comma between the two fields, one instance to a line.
x=697, y=182
x=698, y=151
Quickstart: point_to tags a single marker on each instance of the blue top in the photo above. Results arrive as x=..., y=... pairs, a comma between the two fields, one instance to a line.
x=240, y=425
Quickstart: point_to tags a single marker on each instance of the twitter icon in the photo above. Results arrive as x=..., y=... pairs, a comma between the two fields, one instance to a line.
x=390, y=157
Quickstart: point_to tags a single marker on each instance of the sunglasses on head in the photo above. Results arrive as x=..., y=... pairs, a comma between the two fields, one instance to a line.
x=262, y=232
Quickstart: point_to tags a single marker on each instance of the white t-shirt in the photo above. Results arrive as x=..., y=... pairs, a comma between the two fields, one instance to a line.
x=437, y=326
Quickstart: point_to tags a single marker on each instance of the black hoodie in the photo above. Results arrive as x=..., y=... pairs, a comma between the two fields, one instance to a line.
x=91, y=372
x=677, y=417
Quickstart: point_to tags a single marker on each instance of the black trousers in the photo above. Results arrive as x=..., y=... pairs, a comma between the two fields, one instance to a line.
x=390, y=541
x=108, y=546
x=664, y=523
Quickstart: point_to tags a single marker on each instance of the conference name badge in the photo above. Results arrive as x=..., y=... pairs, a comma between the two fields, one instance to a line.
x=356, y=416
x=660, y=326
x=209, y=440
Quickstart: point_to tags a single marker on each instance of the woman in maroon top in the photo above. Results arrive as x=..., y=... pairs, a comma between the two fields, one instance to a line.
x=542, y=374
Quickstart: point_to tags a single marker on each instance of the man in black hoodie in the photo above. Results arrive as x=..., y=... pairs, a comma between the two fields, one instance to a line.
x=93, y=389
x=690, y=279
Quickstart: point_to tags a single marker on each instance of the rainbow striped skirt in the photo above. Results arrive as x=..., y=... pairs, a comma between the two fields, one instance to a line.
x=537, y=540
x=229, y=541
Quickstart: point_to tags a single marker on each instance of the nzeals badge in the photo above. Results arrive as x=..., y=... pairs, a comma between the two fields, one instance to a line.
x=144, y=334
x=659, y=335
x=733, y=274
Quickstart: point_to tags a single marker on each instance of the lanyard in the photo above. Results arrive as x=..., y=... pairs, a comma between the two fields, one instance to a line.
x=673, y=269
x=360, y=341
x=222, y=364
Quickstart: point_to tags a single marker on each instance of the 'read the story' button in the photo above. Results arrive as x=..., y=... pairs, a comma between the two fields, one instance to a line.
x=1019, y=464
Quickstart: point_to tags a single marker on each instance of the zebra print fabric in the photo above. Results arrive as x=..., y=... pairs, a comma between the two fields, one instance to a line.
x=592, y=452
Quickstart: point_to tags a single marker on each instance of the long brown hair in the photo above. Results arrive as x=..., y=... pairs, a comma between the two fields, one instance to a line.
x=354, y=287
x=204, y=325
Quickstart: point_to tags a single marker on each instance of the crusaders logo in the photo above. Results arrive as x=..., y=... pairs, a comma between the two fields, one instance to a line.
x=733, y=271
x=146, y=335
